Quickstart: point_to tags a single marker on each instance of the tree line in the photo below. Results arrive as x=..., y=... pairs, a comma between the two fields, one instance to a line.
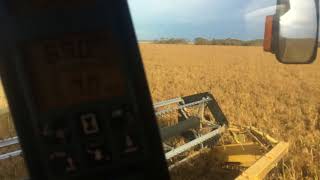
x=171, y=41
x=204, y=41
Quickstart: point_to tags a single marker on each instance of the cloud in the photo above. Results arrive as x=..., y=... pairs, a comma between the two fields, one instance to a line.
x=260, y=13
x=253, y=5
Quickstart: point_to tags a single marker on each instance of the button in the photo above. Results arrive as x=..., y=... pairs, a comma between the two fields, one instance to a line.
x=62, y=163
x=118, y=113
x=118, y=121
x=123, y=126
x=55, y=134
x=60, y=135
x=97, y=154
x=130, y=145
x=89, y=123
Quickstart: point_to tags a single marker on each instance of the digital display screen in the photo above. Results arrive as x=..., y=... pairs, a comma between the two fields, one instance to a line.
x=75, y=69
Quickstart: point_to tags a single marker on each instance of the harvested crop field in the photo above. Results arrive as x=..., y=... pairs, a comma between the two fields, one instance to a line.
x=251, y=87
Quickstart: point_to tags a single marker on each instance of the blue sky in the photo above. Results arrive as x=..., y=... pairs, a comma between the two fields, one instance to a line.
x=242, y=19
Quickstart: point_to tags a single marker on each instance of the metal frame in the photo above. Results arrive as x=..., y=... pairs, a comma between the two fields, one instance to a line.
x=9, y=142
x=10, y=154
x=194, y=143
x=187, y=123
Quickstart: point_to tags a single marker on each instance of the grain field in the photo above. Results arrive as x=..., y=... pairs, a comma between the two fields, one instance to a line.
x=251, y=87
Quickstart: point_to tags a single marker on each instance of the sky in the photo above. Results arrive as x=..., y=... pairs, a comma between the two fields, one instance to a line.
x=241, y=19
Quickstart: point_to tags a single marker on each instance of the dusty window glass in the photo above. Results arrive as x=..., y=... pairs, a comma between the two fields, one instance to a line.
x=190, y=47
x=206, y=58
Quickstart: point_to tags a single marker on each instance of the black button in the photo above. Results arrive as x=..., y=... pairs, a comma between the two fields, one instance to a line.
x=55, y=133
x=126, y=132
x=62, y=163
x=89, y=124
x=97, y=154
x=117, y=113
x=130, y=144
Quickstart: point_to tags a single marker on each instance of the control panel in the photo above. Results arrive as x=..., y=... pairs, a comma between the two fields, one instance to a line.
x=77, y=90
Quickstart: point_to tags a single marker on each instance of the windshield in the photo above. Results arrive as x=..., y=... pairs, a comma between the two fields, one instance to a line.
x=222, y=103
x=196, y=46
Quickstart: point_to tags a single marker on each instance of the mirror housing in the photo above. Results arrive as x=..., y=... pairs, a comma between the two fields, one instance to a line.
x=267, y=43
x=292, y=33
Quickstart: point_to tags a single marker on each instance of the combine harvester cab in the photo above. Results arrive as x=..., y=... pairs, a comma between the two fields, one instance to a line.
x=194, y=129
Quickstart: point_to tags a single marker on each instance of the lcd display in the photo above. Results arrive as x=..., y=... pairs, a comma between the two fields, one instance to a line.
x=74, y=70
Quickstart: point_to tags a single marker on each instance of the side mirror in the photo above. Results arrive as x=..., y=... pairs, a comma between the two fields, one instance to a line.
x=292, y=33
